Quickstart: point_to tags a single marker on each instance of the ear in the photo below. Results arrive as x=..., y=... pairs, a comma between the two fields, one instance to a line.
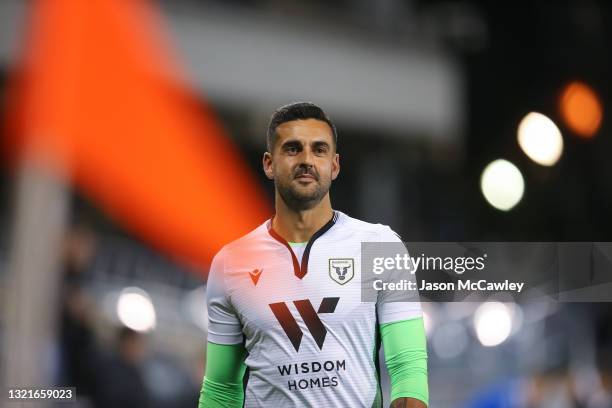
x=267, y=165
x=335, y=166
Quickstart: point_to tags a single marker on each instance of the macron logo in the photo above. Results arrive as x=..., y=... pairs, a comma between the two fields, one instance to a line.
x=255, y=274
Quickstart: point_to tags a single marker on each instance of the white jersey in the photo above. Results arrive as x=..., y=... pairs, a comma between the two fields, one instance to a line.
x=311, y=341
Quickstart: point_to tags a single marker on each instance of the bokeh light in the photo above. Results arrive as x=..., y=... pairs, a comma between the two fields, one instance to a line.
x=502, y=184
x=581, y=109
x=540, y=139
x=493, y=323
x=135, y=309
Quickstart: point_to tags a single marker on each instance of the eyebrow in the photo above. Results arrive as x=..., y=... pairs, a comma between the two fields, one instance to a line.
x=290, y=142
x=321, y=143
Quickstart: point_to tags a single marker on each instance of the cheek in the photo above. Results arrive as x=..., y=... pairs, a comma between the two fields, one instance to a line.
x=326, y=168
x=283, y=168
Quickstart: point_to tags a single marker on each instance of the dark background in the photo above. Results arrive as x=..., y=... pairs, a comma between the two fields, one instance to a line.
x=507, y=59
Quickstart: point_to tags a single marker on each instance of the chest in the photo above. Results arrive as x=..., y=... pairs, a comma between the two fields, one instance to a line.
x=267, y=295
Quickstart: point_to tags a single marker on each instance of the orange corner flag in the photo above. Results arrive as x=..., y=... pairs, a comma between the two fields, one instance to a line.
x=99, y=93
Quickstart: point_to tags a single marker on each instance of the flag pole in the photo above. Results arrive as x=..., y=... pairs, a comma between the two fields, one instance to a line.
x=32, y=283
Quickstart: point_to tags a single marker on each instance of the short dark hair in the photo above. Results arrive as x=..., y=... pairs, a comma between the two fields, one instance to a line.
x=297, y=111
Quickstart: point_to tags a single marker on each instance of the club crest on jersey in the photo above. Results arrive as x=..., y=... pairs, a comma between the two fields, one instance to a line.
x=341, y=270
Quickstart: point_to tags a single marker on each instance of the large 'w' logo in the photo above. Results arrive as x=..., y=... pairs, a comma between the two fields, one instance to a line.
x=310, y=317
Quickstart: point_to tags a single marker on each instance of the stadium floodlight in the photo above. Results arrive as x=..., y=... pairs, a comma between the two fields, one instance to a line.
x=493, y=323
x=135, y=309
x=581, y=109
x=540, y=139
x=502, y=184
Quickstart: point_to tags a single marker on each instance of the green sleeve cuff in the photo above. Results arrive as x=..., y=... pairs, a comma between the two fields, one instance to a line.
x=406, y=358
x=220, y=395
x=225, y=368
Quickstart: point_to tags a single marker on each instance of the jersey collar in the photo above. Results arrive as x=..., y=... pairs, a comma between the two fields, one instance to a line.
x=301, y=270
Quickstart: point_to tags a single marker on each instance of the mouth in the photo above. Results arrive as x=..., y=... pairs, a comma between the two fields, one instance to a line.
x=305, y=177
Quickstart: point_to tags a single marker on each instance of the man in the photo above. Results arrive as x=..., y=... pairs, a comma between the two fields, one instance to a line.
x=287, y=326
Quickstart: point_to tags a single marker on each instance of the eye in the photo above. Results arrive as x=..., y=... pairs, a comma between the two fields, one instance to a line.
x=321, y=149
x=291, y=149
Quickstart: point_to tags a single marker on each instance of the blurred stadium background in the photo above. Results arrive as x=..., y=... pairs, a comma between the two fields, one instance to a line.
x=426, y=95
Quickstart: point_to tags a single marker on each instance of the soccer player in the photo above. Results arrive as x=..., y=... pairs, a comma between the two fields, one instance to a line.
x=287, y=326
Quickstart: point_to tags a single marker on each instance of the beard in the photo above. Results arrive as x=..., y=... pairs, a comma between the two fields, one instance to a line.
x=300, y=199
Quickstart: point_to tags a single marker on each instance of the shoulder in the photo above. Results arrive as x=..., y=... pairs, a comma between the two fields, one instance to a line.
x=376, y=232
x=244, y=244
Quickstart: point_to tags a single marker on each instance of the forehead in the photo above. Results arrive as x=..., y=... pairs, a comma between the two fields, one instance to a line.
x=305, y=129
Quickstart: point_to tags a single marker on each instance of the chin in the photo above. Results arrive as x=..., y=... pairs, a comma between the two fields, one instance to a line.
x=300, y=189
x=309, y=190
x=305, y=197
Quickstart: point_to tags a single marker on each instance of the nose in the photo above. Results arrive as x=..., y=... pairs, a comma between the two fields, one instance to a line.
x=307, y=157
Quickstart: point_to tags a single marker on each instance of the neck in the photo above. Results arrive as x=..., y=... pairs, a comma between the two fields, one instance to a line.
x=300, y=225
